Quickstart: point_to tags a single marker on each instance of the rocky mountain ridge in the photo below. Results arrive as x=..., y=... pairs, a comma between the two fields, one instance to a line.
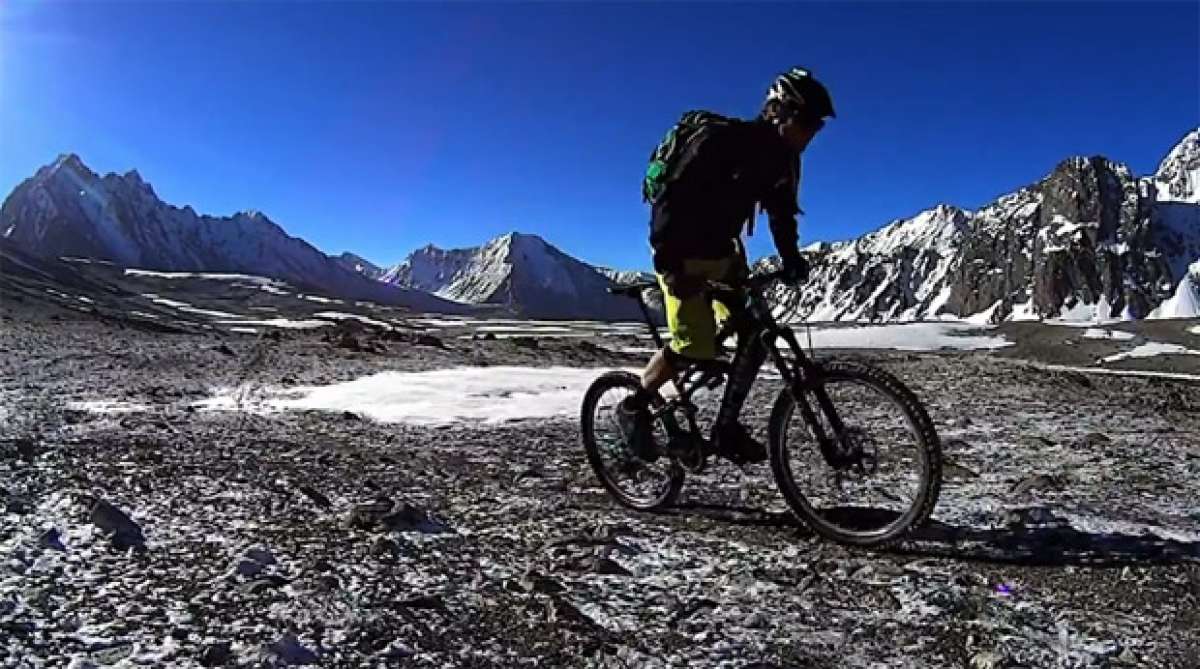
x=1088, y=241
x=67, y=210
x=520, y=272
x=359, y=264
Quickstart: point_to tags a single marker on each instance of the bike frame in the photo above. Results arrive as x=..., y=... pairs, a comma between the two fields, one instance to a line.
x=751, y=317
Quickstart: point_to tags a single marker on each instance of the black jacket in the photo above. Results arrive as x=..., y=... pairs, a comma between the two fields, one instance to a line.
x=715, y=186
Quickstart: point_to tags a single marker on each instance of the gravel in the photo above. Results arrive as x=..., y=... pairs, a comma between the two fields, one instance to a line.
x=1067, y=533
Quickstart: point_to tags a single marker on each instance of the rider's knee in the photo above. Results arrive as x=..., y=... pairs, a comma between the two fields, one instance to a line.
x=689, y=356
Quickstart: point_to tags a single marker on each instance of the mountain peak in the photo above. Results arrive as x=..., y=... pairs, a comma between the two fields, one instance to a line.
x=943, y=211
x=70, y=163
x=1178, y=175
x=1097, y=163
x=1187, y=149
x=358, y=264
x=939, y=227
x=68, y=160
x=253, y=215
x=519, y=271
x=72, y=167
x=522, y=238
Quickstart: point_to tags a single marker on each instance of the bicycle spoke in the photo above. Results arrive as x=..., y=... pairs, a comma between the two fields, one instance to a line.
x=879, y=475
x=639, y=481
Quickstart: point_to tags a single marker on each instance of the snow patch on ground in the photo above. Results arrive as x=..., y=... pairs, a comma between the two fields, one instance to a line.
x=446, y=322
x=216, y=276
x=911, y=336
x=184, y=306
x=526, y=334
x=541, y=329
x=107, y=406
x=322, y=300
x=86, y=261
x=984, y=317
x=1151, y=349
x=470, y=394
x=1115, y=335
x=1024, y=312
x=1086, y=313
x=277, y=323
x=1185, y=303
x=927, y=336
x=339, y=316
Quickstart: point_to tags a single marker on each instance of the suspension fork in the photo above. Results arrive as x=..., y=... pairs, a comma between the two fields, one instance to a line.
x=802, y=379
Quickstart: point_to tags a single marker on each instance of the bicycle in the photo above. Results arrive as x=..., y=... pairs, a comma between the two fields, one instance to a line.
x=838, y=422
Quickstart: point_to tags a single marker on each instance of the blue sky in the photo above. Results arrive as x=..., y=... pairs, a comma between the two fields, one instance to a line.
x=379, y=127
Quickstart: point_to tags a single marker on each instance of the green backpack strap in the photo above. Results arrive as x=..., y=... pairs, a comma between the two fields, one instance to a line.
x=664, y=159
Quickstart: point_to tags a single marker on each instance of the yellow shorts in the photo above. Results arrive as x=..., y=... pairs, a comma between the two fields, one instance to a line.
x=693, y=320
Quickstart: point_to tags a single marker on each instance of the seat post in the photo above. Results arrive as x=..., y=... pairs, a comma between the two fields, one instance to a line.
x=634, y=290
x=650, y=321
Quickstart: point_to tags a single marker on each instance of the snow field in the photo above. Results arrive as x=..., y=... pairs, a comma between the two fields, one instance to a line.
x=462, y=394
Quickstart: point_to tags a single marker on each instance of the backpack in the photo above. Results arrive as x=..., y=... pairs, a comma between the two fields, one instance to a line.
x=665, y=159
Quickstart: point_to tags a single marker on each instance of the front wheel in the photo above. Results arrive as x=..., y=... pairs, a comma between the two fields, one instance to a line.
x=632, y=481
x=878, y=478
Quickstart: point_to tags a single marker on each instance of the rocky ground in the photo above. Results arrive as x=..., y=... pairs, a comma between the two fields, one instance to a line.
x=1068, y=532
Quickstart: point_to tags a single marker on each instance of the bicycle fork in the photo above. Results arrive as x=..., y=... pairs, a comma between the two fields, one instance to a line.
x=805, y=378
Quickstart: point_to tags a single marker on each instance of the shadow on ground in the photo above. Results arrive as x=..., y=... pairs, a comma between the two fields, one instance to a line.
x=1049, y=545
x=736, y=515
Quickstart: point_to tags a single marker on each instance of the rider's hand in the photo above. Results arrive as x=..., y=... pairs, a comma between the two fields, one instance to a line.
x=795, y=268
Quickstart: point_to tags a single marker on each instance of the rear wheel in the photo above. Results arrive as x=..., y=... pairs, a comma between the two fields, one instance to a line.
x=886, y=474
x=632, y=481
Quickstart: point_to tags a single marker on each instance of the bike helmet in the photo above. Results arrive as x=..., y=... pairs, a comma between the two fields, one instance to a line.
x=798, y=89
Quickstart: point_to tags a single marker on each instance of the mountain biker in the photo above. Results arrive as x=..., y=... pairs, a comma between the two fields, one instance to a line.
x=724, y=172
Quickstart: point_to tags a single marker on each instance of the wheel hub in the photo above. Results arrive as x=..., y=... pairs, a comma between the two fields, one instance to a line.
x=856, y=453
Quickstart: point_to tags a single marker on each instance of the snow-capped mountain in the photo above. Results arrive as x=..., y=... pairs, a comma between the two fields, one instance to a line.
x=1176, y=187
x=429, y=268
x=624, y=276
x=520, y=272
x=1178, y=176
x=1090, y=240
x=359, y=264
x=65, y=209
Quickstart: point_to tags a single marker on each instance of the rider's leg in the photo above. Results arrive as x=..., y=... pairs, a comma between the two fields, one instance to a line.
x=693, y=330
x=691, y=322
x=749, y=357
x=732, y=438
x=657, y=372
x=750, y=352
